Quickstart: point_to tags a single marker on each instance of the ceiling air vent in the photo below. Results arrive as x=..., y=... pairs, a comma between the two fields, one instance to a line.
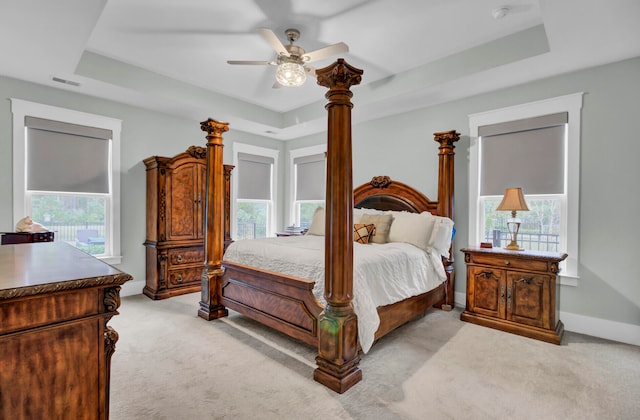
x=66, y=82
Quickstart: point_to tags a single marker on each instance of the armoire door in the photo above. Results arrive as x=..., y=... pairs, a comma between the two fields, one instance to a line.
x=183, y=188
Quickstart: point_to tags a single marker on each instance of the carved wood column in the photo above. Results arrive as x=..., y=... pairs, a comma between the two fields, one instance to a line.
x=446, y=156
x=210, y=306
x=338, y=357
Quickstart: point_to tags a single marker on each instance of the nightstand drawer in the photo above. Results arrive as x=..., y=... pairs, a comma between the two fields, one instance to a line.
x=509, y=262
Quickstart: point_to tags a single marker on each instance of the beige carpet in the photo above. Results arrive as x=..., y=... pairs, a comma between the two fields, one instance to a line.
x=170, y=364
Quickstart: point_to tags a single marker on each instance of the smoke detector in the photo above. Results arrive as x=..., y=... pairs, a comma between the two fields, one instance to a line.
x=500, y=12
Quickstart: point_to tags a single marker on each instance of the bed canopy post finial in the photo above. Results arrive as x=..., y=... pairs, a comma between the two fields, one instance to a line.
x=338, y=355
x=446, y=156
x=210, y=306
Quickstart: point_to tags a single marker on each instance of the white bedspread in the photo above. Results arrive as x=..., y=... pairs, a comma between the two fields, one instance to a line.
x=383, y=273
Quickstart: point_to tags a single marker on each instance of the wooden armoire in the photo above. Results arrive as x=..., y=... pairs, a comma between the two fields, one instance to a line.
x=174, y=244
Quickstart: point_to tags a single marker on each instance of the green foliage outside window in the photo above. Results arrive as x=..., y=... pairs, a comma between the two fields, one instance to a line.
x=67, y=209
x=67, y=215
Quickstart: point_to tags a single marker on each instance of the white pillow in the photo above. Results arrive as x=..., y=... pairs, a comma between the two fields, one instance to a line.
x=357, y=215
x=359, y=212
x=317, y=223
x=440, y=240
x=413, y=228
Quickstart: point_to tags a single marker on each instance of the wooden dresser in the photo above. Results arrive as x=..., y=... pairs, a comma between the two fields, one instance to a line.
x=176, y=188
x=55, y=344
x=514, y=291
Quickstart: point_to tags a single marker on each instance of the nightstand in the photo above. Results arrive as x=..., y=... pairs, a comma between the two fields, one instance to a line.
x=514, y=291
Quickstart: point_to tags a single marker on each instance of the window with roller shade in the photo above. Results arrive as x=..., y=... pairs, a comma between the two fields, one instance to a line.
x=64, y=175
x=254, y=192
x=530, y=154
x=536, y=147
x=308, y=186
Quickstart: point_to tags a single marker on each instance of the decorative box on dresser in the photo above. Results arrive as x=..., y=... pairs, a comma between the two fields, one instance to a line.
x=9, y=238
x=514, y=291
x=176, y=188
x=55, y=344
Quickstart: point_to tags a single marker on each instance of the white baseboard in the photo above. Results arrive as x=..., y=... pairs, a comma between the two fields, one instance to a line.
x=460, y=299
x=133, y=287
x=602, y=328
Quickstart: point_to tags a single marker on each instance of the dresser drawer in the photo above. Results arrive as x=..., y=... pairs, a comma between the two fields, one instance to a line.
x=509, y=262
x=180, y=277
x=185, y=256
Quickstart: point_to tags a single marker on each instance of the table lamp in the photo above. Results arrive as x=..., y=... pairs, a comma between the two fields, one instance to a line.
x=513, y=201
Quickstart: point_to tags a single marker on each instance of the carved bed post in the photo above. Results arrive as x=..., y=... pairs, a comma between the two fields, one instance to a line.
x=338, y=357
x=210, y=307
x=446, y=156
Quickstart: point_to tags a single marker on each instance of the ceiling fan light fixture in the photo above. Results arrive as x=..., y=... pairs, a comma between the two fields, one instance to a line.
x=291, y=74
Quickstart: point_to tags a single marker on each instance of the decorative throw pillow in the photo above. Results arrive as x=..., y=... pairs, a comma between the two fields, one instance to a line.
x=362, y=233
x=317, y=223
x=382, y=223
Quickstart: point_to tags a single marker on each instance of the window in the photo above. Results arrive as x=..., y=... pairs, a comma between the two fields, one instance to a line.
x=66, y=175
x=307, y=167
x=535, y=146
x=254, y=192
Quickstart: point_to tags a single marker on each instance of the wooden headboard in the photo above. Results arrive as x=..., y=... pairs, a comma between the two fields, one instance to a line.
x=382, y=193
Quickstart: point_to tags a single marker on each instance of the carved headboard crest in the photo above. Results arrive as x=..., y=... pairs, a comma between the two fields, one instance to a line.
x=382, y=181
x=197, y=152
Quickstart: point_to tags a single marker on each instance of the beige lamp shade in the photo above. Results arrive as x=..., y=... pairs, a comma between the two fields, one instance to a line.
x=513, y=200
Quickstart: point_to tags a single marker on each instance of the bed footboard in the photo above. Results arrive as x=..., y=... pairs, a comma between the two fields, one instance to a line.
x=284, y=303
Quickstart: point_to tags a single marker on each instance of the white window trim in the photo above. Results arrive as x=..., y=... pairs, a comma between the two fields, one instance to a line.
x=21, y=108
x=260, y=151
x=293, y=154
x=568, y=103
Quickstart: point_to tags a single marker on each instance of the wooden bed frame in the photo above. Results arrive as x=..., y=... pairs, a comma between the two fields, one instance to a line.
x=287, y=303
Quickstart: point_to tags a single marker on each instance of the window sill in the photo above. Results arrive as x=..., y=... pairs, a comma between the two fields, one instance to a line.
x=111, y=259
x=569, y=279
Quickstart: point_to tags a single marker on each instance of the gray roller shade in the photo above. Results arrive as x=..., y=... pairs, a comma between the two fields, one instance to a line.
x=254, y=177
x=66, y=157
x=526, y=153
x=310, y=177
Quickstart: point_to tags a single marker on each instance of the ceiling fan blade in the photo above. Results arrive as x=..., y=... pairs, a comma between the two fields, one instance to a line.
x=325, y=52
x=251, y=63
x=273, y=40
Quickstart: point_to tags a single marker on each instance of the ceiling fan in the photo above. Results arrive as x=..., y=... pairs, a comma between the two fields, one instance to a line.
x=292, y=59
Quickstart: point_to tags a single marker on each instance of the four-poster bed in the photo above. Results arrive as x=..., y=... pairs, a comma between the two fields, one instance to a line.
x=287, y=303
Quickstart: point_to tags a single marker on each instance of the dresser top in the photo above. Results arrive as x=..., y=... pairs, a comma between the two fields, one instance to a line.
x=39, y=268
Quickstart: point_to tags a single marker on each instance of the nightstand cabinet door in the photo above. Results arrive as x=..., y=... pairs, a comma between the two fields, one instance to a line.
x=528, y=299
x=487, y=291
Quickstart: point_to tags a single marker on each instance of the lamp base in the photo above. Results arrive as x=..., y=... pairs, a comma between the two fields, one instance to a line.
x=513, y=246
